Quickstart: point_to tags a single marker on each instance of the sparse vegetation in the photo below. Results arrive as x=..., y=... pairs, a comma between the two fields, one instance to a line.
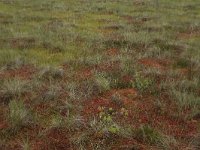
x=94, y=74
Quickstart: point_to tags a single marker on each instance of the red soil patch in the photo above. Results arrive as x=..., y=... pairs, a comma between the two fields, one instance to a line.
x=155, y=63
x=92, y=106
x=127, y=78
x=126, y=99
x=64, y=66
x=126, y=95
x=184, y=71
x=51, y=139
x=126, y=92
x=87, y=73
x=128, y=144
x=141, y=111
x=108, y=67
x=58, y=139
x=188, y=35
x=84, y=74
x=132, y=20
x=3, y=125
x=146, y=113
x=25, y=72
x=42, y=108
x=177, y=128
x=112, y=52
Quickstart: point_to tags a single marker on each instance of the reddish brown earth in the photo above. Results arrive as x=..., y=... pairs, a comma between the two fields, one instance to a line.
x=84, y=74
x=189, y=34
x=141, y=110
x=55, y=139
x=24, y=72
x=112, y=52
x=156, y=63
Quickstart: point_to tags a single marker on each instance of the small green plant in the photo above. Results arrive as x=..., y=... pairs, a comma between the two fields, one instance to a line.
x=106, y=115
x=18, y=114
x=106, y=119
x=56, y=121
x=114, y=129
x=148, y=134
x=182, y=63
x=102, y=83
x=124, y=112
x=141, y=83
x=26, y=144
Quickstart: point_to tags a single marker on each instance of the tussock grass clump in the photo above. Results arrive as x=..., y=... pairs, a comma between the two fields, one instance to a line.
x=57, y=121
x=102, y=83
x=148, y=134
x=49, y=73
x=142, y=83
x=52, y=93
x=81, y=91
x=106, y=126
x=185, y=100
x=13, y=88
x=98, y=84
x=8, y=57
x=81, y=140
x=14, y=64
x=188, y=86
x=74, y=122
x=18, y=115
x=182, y=63
x=26, y=144
x=117, y=99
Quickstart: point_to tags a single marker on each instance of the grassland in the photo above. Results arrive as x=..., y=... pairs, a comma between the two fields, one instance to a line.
x=100, y=74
